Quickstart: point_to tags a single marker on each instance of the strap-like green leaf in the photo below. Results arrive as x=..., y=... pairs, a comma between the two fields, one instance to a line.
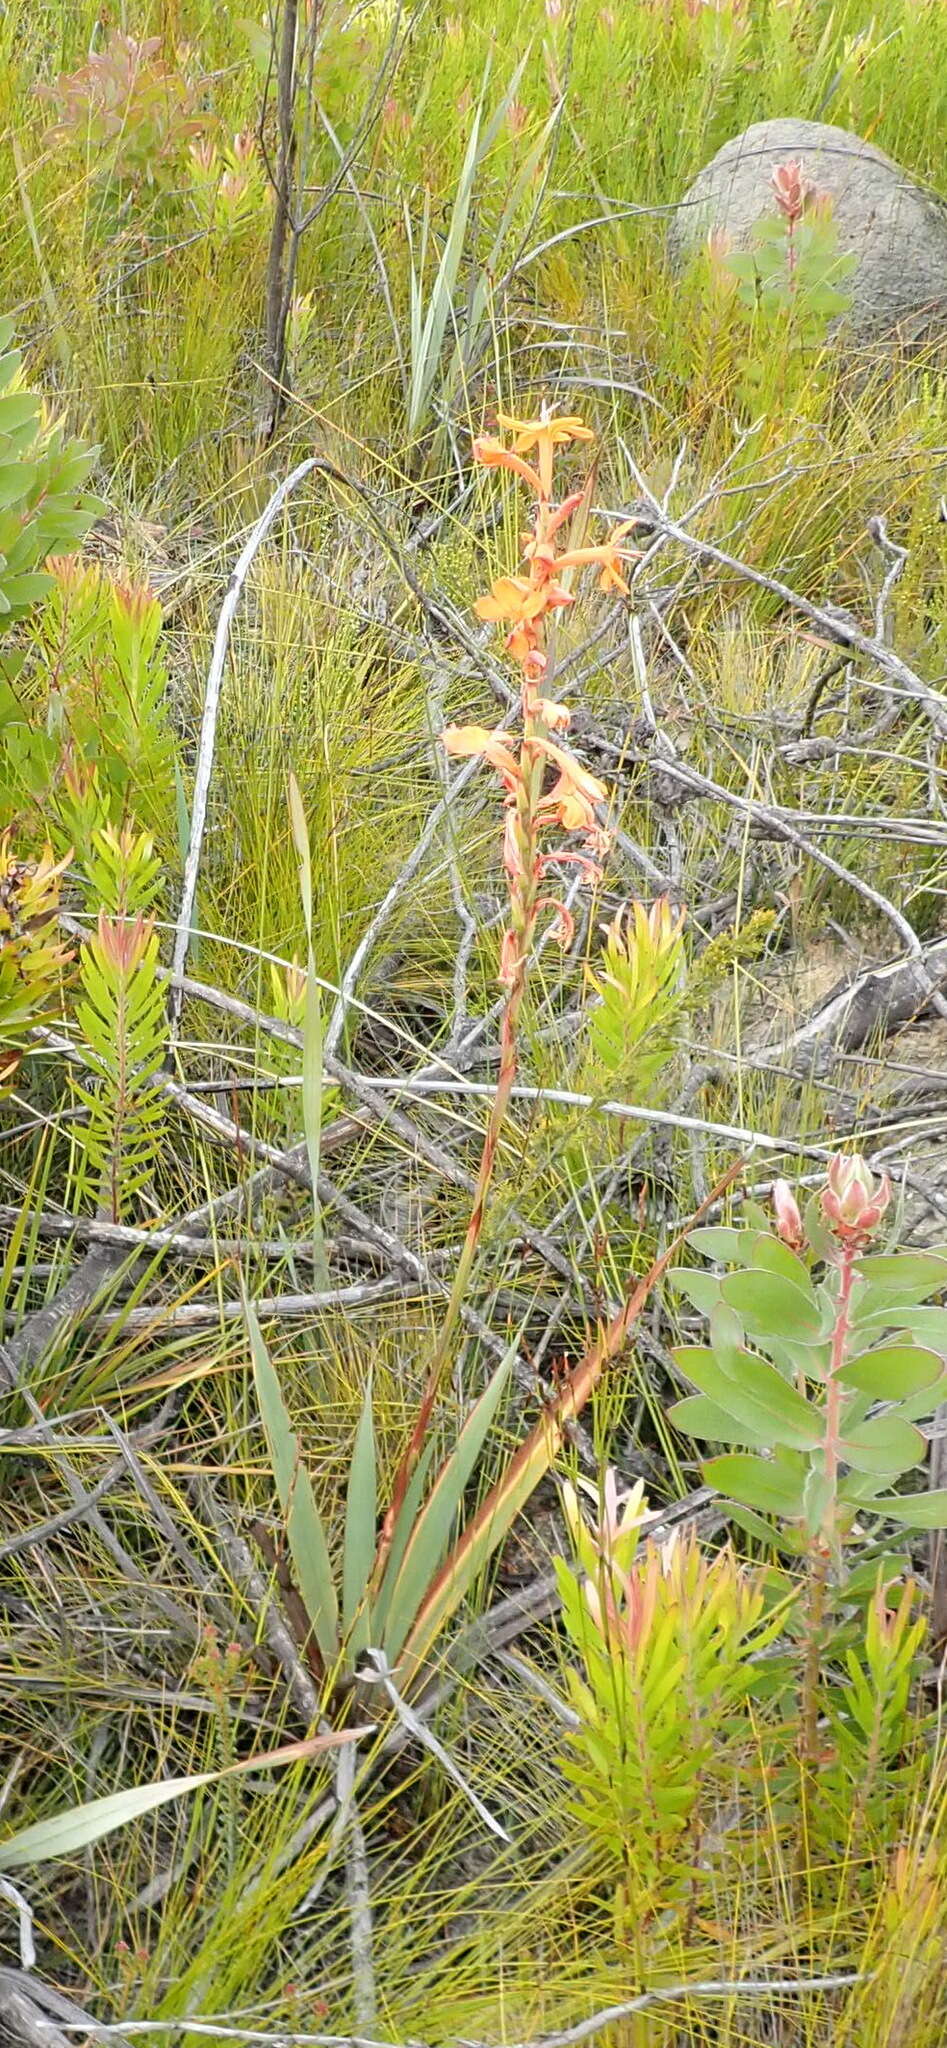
x=360, y=1511
x=426, y=354
x=410, y=1509
x=429, y=1540
x=64, y=1834
x=312, y=1035
x=304, y=1530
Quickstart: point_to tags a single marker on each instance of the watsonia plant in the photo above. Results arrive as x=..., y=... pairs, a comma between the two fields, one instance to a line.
x=400, y=1587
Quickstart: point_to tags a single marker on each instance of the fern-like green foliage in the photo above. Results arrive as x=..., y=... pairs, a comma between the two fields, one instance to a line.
x=122, y=870
x=105, y=659
x=31, y=961
x=44, y=506
x=123, y=1023
x=640, y=990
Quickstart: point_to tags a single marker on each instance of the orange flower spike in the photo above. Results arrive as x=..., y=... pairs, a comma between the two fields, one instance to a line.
x=487, y=450
x=549, y=432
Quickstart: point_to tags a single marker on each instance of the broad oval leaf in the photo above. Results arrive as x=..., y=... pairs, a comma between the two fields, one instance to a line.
x=910, y=1276
x=702, y=1290
x=749, y=1388
x=883, y=1444
x=773, y=1305
x=915, y=1510
x=758, y=1483
x=817, y=1498
x=928, y=1326
x=719, y=1241
x=895, y=1370
x=770, y=1255
x=697, y=1416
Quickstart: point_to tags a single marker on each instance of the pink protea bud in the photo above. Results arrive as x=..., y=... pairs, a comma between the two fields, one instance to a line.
x=852, y=1201
x=792, y=190
x=789, y=1225
x=124, y=945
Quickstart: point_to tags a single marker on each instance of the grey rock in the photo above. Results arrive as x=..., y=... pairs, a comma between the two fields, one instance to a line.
x=897, y=231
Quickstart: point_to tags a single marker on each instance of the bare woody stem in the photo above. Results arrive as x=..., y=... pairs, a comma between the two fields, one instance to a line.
x=821, y=1553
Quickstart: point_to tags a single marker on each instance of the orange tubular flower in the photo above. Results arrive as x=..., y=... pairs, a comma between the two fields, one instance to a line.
x=523, y=644
x=492, y=454
x=556, y=716
x=493, y=746
x=549, y=432
x=513, y=598
x=611, y=555
x=510, y=597
x=574, y=795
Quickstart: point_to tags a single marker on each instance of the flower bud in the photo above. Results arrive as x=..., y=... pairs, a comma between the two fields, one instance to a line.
x=789, y=1225
x=853, y=1203
x=793, y=191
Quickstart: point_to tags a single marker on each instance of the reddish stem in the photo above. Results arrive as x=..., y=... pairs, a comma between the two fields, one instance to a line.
x=833, y=1399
